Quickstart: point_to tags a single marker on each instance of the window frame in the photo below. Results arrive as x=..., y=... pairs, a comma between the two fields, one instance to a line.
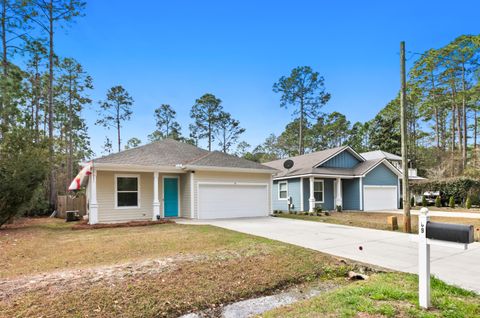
x=323, y=189
x=116, y=191
x=278, y=192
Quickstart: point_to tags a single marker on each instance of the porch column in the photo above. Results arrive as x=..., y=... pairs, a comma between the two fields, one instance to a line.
x=93, y=205
x=311, y=200
x=339, y=200
x=156, y=202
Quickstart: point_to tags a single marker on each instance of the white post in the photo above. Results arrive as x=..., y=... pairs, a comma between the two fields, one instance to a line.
x=311, y=200
x=156, y=202
x=361, y=192
x=93, y=213
x=339, y=200
x=423, y=260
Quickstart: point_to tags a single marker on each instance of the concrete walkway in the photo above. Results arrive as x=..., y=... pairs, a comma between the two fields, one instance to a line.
x=387, y=249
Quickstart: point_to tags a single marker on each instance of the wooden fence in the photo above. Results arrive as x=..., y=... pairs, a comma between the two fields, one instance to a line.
x=68, y=203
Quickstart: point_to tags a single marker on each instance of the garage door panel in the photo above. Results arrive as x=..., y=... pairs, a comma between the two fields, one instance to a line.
x=216, y=201
x=380, y=198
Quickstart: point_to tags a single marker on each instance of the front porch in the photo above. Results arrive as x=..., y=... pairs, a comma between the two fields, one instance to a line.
x=328, y=193
x=120, y=196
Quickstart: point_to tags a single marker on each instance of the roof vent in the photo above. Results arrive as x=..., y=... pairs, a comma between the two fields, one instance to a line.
x=288, y=164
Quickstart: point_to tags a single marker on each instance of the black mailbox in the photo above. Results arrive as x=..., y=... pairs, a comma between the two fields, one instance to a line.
x=457, y=233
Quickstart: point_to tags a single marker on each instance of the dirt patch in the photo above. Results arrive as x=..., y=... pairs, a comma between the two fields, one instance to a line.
x=83, y=225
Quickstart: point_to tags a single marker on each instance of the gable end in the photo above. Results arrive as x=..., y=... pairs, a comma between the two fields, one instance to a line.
x=343, y=159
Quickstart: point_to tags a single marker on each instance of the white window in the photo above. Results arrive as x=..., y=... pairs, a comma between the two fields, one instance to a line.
x=127, y=191
x=318, y=191
x=282, y=190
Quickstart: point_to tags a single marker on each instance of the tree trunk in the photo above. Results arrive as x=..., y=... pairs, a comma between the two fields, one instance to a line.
x=3, y=115
x=209, y=136
x=464, y=119
x=300, y=133
x=118, y=128
x=53, y=194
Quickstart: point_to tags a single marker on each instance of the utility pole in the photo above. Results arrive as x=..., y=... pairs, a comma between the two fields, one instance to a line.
x=407, y=224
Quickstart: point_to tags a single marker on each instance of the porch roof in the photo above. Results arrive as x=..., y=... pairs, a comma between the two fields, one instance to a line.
x=359, y=170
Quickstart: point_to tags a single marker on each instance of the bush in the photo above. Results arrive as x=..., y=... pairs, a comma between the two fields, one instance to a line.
x=318, y=209
x=438, y=202
x=456, y=187
x=318, y=213
x=339, y=208
x=424, y=201
x=327, y=213
x=23, y=169
x=468, y=203
x=451, y=202
x=412, y=201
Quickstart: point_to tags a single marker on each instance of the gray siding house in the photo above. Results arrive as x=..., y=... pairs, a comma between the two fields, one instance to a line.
x=335, y=177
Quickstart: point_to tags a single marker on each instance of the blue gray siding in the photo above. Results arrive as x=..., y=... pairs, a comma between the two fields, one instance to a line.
x=328, y=195
x=381, y=175
x=351, y=194
x=343, y=160
x=293, y=191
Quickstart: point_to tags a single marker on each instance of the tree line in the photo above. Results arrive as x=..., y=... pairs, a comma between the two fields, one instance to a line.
x=443, y=100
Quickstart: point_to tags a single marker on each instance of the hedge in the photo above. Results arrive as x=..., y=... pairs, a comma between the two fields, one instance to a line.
x=459, y=188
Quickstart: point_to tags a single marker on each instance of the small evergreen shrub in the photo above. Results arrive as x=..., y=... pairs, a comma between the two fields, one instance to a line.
x=468, y=203
x=339, y=208
x=305, y=213
x=318, y=213
x=318, y=209
x=412, y=201
x=424, y=201
x=451, y=202
x=438, y=201
x=327, y=213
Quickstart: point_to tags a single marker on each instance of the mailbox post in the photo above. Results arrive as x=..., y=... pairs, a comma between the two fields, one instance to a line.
x=442, y=234
x=423, y=260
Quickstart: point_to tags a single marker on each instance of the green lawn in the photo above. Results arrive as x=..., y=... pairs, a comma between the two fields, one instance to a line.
x=385, y=295
x=206, y=266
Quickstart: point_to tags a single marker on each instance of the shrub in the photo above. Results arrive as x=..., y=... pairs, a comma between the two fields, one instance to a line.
x=318, y=213
x=318, y=209
x=438, y=201
x=23, y=169
x=327, y=213
x=451, y=202
x=424, y=201
x=305, y=213
x=468, y=203
x=339, y=208
x=412, y=201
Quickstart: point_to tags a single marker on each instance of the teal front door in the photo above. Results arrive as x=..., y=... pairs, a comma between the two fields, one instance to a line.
x=170, y=197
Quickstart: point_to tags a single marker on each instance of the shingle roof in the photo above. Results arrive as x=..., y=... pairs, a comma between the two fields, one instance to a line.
x=169, y=152
x=380, y=154
x=305, y=164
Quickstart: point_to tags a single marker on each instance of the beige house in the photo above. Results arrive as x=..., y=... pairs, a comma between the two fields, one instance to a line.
x=174, y=179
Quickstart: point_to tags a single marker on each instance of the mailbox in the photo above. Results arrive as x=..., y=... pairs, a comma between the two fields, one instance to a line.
x=457, y=233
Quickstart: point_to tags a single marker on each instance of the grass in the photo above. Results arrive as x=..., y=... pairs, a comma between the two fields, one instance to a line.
x=385, y=295
x=378, y=220
x=232, y=266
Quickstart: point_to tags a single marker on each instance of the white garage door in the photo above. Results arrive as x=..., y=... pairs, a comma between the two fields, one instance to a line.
x=380, y=198
x=219, y=201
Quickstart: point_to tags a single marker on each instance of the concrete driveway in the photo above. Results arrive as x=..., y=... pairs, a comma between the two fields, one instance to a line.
x=387, y=249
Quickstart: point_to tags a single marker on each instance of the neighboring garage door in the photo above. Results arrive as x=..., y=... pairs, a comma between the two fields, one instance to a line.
x=219, y=201
x=380, y=198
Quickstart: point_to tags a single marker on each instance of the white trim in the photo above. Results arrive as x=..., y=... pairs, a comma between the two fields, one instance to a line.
x=163, y=194
x=93, y=204
x=233, y=183
x=318, y=175
x=379, y=186
x=302, y=206
x=136, y=168
x=270, y=196
x=229, y=169
x=360, y=189
x=323, y=190
x=388, y=164
x=278, y=190
x=192, y=194
x=116, y=176
x=350, y=149
x=156, y=201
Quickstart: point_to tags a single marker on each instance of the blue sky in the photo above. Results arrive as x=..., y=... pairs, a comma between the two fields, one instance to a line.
x=174, y=51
